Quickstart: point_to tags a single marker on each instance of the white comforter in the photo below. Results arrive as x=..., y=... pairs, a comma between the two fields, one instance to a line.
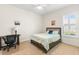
x=45, y=39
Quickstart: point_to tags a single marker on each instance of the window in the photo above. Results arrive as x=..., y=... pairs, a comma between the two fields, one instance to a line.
x=70, y=25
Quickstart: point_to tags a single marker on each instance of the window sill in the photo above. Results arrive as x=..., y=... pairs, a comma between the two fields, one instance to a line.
x=71, y=36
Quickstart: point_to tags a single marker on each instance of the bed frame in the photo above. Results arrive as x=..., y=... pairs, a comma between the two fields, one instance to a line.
x=51, y=45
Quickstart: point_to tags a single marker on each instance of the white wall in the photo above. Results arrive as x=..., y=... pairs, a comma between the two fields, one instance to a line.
x=30, y=22
x=58, y=17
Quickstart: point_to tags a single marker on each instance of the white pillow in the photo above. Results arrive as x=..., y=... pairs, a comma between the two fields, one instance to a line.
x=55, y=32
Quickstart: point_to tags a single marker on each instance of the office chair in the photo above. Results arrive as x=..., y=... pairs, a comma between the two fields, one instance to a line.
x=10, y=41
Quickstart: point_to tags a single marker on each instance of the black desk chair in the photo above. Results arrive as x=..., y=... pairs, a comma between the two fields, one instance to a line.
x=10, y=41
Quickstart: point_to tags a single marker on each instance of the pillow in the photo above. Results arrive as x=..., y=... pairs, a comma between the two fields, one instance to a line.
x=55, y=32
x=50, y=32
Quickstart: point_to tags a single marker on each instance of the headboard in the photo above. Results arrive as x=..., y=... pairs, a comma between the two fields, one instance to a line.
x=54, y=29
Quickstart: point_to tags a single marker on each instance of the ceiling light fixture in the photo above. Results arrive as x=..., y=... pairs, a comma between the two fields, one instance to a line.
x=40, y=7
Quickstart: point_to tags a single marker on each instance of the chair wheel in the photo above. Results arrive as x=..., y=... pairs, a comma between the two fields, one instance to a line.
x=4, y=49
x=7, y=50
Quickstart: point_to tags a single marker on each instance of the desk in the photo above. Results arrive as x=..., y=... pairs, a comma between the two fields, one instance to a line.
x=17, y=39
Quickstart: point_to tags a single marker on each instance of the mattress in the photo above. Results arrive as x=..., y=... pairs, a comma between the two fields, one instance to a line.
x=45, y=39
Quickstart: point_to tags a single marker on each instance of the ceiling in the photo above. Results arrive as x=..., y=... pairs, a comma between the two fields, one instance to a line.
x=46, y=7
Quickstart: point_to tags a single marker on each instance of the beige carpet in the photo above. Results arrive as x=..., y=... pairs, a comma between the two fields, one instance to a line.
x=26, y=48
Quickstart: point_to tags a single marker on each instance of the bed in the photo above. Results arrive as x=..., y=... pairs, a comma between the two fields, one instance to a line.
x=45, y=41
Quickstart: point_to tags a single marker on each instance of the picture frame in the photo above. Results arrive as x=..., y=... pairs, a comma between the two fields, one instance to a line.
x=53, y=22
